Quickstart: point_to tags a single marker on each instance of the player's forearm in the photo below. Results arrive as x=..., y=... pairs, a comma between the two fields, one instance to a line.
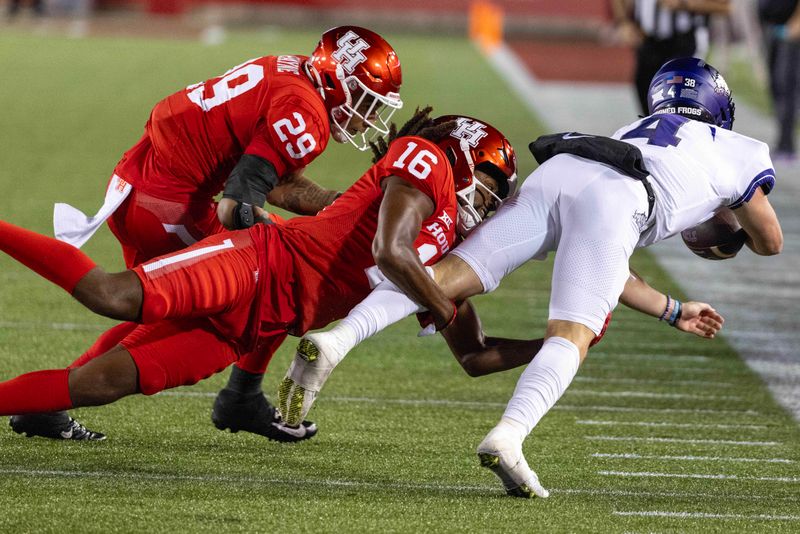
x=302, y=196
x=401, y=265
x=640, y=296
x=479, y=355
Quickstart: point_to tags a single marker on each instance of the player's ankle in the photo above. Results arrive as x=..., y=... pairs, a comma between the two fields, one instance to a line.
x=244, y=382
x=513, y=428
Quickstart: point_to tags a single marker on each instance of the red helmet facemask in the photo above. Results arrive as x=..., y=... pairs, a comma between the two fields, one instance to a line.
x=358, y=75
x=472, y=145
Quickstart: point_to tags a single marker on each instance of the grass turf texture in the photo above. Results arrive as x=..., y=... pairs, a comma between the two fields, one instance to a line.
x=399, y=421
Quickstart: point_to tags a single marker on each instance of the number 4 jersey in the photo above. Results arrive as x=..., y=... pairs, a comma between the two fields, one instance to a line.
x=333, y=249
x=696, y=168
x=267, y=107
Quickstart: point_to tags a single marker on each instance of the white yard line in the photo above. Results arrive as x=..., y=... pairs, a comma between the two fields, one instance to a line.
x=650, y=395
x=633, y=456
x=646, y=474
x=334, y=483
x=682, y=440
x=659, y=424
x=652, y=357
x=704, y=515
x=493, y=405
x=642, y=381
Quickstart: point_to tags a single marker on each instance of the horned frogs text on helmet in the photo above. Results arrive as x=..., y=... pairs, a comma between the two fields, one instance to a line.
x=692, y=88
x=358, y=75
x=471, y=145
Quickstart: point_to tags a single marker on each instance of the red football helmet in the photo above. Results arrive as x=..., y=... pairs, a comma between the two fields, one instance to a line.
x=358, y=75
x=471, y=145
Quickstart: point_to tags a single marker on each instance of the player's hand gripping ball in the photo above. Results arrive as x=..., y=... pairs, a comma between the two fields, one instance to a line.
x=719, y=238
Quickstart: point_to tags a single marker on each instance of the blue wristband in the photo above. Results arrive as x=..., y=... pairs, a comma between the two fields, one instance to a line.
x=676, y=313
x=666, y=309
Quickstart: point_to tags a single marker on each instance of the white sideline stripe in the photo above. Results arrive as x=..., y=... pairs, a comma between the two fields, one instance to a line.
x=640, y=356
x=704, y=515
x=648, y=474
x=650, y=395
x=667, y=425
x=682, y=440
x=599, y=492
x=633, y=456
x=479, y=404
x=610, y=380
x=202, y=251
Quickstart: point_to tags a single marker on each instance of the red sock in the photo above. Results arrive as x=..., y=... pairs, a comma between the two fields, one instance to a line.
x=36, y=392
x=107, y=341
x=59, y=262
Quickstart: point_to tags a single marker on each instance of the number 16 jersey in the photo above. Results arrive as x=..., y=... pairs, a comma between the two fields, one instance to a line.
x=266, y=107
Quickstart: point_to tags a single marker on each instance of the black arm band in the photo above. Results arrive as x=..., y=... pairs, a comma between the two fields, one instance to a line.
x=625, y=158
x=251, y=181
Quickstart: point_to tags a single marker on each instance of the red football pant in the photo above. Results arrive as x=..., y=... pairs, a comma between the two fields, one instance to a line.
x=147, y=226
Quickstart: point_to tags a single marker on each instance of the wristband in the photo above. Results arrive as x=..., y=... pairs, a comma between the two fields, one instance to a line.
x=676, y=313
x=452, y=319
x=666, y=309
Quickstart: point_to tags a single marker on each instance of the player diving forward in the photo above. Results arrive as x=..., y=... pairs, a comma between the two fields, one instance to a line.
x=249, y=133
x=590, y=210
x=201, y=308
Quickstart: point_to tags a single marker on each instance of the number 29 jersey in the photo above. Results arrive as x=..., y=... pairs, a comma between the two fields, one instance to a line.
x=266, y=107
x=333, y=250
x=696, y=168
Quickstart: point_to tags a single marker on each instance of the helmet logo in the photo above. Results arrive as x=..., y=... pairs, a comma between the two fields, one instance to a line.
x=469, y=130
x=350, y=52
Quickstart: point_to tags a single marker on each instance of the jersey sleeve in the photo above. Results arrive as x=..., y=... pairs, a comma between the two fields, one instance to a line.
x=756, y=171
x=420, y=163
x=291, y=135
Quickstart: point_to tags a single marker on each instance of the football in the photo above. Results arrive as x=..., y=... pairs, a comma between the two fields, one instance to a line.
x=719, y=238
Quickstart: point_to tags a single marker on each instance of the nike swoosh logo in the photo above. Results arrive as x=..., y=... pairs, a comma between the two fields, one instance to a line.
x=297, y=432
x=573, y=135
x=67, y=435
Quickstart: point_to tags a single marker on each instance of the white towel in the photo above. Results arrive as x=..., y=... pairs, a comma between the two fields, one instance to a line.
x=72, y=226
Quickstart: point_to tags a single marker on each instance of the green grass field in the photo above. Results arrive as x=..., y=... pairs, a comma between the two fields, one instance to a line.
x=659, y=432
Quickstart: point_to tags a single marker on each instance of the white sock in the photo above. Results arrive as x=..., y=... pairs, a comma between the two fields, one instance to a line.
x=386, y=305
x=543, y=382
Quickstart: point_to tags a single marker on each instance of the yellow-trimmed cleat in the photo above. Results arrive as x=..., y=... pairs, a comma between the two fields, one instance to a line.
x=502, y=455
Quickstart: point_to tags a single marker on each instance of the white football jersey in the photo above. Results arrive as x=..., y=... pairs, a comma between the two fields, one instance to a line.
x=696, y=168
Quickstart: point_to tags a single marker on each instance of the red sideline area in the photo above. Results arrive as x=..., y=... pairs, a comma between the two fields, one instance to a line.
x=584, y=9
x=582, y=60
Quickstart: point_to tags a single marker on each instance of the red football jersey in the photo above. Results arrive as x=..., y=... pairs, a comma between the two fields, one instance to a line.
x=333, y=250
x=266, y=107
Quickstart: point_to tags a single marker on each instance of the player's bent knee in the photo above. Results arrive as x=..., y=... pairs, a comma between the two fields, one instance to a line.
x=103, y=380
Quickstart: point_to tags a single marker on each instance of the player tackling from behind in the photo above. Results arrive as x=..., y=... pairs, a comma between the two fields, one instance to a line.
x=592, y=201
x=249, y=133
x=202, y=308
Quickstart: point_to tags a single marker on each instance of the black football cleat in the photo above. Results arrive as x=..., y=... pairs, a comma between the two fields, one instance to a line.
x=56, y=425
x=254, y=413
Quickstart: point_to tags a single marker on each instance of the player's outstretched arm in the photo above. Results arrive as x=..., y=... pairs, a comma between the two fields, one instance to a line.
x=480, y=355
x=696, y=318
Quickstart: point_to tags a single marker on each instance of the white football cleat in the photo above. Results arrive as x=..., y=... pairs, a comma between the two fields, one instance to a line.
x=316, y=357
x=501, y=452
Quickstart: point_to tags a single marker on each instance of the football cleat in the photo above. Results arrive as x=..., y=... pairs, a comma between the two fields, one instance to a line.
x=57, y=425
x=502, y=454
x=316, y=357
x=254, y=413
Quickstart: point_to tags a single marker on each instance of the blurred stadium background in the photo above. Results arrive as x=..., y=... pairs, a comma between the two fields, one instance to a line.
x=659, y=432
